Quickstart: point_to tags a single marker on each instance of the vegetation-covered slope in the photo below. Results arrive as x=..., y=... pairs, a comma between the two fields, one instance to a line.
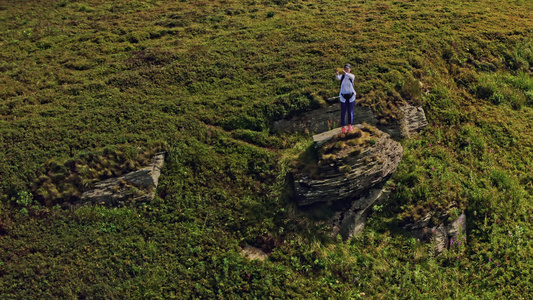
x=101, y=84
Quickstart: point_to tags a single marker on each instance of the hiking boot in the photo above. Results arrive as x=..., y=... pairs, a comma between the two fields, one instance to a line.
x=343, y=129
x=350, y=127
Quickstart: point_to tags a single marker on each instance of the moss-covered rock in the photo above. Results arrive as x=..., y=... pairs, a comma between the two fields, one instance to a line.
x=135, y=186
x=346, y=165
x=347, y=172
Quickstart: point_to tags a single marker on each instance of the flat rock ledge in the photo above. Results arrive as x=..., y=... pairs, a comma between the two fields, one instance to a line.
x=352, y=179
x=136, y=186
x=324, y=119
x=412, y=122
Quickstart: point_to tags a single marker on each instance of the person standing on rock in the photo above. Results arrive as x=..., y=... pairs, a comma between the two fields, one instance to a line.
x=347, y=95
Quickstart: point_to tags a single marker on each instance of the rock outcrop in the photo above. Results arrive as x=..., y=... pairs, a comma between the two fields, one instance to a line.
x=324, y=119
x=352, y=221
x=347, y=172
x=351, y=168
x=444, y=235
x=253, y=253
x=413, y=120
x=137, y=186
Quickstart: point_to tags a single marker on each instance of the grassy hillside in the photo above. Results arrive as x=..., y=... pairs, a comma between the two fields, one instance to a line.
x=91, y=89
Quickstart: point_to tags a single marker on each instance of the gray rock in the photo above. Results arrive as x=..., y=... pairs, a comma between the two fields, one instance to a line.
x=440, y=238
x=352, y=221
x=444, y=235
x=456, y=230
x=138, y=186
x=449, y=235
x=349, y=184
x=253, y=253
x=413, y=121
x=371, y=167
x=324, y=119
x=322, y=138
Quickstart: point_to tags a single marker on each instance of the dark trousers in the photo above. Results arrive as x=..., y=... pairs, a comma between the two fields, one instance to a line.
x=347, y=107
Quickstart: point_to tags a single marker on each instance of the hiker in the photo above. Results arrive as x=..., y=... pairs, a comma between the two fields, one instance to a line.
x=347, y=95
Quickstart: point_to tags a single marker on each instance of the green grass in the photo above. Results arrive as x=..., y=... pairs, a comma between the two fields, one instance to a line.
x=83, y=81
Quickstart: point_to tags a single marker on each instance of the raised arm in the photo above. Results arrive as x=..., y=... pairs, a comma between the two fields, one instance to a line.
x=338, y=74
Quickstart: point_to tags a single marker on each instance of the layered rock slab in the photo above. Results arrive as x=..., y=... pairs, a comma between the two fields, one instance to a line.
x=347, y=174
x=137, y=186
x=350, y=172
x=323, y=119
x=444, y=235
x=412, y=121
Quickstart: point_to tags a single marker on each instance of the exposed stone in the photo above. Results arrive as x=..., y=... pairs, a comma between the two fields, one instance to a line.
x=138, y=186
x=324, y=137
x=443, y=235
x=324, y=119
x=350, y=185
x=352, y=221
x=457, y=228
x=350, y=180
x=252, y=253
x=413, y=121
x=348, y=176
